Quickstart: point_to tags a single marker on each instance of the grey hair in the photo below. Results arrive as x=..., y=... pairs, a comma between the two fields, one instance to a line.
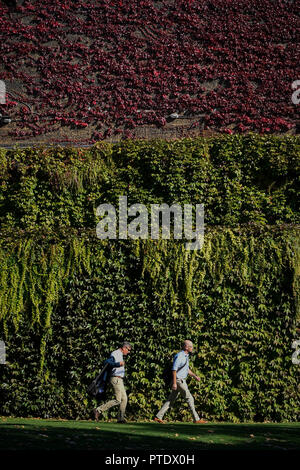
x=126, y=344
x=186, y=342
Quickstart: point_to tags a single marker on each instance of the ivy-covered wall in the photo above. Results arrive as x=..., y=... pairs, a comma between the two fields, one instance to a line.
x=67, y=299
x=240, y=179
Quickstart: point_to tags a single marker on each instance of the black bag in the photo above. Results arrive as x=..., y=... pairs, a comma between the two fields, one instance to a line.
x=167, y=373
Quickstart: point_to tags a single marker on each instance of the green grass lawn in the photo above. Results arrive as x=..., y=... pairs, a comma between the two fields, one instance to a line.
x=53, y=434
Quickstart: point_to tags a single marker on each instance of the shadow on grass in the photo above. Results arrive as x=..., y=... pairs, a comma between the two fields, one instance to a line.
x=22, y=434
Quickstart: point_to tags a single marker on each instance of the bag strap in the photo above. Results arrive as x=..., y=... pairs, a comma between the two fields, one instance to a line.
x=183, y=365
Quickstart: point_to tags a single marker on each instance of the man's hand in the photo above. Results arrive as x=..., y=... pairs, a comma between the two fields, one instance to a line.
x=174, y=377
x=194, y=375
x=122, y=363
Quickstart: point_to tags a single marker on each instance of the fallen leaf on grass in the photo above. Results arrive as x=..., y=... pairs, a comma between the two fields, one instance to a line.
x=192, y=438
x=210, y=430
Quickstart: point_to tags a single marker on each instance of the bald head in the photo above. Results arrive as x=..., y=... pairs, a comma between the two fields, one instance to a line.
x=187, y=345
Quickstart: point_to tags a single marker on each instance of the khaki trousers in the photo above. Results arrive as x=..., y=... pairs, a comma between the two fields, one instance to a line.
x=183, y=389
x=121, y=398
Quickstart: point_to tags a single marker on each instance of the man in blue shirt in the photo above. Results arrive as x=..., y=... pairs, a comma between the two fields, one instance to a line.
x=180, y=371
x=116, y=380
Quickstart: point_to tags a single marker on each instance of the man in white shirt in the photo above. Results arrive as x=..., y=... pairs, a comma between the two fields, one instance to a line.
x=116, y=380
x=180, y=371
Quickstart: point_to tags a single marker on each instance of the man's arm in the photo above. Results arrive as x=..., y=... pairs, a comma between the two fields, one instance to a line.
x=176, y=365
x=112, y=363
x=193, y=375
x=174, y=384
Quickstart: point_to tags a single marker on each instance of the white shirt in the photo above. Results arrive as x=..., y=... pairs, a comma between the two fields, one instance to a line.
x=118, y=357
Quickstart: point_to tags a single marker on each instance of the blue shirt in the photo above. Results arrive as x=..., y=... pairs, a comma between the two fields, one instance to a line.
x=181, y=359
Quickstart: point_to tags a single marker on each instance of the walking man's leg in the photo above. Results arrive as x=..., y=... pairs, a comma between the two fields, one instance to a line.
x=186, y=394
x=123, y=401
x=120, y=395
x=169, y=403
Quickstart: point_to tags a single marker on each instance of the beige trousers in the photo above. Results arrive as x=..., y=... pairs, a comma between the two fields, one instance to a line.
x=121, y=398
x=183, y=389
